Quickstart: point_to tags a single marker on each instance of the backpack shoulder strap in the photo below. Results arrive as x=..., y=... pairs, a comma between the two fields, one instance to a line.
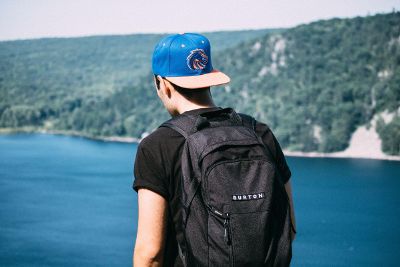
x=183, y=124
x=248, y=121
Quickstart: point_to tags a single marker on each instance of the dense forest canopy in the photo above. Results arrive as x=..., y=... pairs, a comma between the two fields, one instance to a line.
x=313, y=84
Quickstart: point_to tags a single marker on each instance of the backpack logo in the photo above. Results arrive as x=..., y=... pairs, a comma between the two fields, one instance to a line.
x=197, y=60
x=254, y=196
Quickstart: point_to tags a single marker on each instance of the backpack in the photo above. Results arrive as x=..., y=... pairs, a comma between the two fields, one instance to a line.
x=234, y=207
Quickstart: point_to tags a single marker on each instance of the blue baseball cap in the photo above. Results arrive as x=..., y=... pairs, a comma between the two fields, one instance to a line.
x=185, y=60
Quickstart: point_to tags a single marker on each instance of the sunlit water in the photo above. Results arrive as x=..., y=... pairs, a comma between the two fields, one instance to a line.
x=68, y=201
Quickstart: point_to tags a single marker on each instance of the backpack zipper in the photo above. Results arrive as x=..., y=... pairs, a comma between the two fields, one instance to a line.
x=226, y=217
x=227, y=235
x=227, y=229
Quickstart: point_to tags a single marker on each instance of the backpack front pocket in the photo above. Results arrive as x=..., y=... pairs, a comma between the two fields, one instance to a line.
x=219, y=238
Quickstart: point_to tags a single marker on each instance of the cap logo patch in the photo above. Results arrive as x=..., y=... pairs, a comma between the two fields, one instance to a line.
x=197, y=59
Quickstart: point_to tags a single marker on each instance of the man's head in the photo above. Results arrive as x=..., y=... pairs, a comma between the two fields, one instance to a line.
x=183, y=71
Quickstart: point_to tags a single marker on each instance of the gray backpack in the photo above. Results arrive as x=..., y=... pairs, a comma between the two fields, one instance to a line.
x=235, y=208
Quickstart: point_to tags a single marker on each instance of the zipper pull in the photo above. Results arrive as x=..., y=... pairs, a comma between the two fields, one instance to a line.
x=226, y=217
x=227, y=237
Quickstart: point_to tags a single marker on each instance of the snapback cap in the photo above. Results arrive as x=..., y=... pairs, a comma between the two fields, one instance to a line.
x=185, y=60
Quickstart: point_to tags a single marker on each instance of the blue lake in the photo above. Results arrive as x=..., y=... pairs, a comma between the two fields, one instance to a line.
x=68, y=201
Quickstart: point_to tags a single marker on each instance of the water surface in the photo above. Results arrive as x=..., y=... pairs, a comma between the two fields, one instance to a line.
x=68, y=201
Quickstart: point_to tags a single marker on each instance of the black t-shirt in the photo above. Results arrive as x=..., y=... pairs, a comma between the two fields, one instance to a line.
x=158, y=168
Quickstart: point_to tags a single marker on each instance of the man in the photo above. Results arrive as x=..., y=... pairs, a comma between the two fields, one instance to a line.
x=183, y=76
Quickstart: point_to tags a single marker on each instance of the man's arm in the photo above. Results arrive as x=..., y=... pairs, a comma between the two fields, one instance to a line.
x=150, y=239
x=288, y=188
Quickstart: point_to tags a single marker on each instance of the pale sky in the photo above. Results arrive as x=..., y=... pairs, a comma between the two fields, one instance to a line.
x=26, y=19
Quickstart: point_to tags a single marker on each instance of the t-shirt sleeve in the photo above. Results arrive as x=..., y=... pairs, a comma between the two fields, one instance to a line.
x=149, y=172
x=272, y=143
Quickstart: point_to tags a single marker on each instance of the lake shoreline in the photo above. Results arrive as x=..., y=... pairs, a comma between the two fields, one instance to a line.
x=120, y=139
x=341, y=154
x=27, y=130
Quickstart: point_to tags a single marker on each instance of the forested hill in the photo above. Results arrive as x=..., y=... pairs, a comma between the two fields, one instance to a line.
x=316, y=83
x=74, y=84
x=313, y=84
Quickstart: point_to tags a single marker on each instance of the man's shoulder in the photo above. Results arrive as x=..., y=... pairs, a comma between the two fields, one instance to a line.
x=162, y=136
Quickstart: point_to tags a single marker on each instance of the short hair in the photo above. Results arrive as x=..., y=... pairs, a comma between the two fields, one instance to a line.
x=185, y=92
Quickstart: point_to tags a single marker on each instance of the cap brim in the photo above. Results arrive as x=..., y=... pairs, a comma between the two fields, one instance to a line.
x=205, y=80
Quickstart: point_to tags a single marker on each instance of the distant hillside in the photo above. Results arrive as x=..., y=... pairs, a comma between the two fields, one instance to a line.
x=94, y=65
x=45, y=82
x=314, y=84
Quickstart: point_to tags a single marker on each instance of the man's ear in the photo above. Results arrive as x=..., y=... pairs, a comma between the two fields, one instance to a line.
x=166, y=87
